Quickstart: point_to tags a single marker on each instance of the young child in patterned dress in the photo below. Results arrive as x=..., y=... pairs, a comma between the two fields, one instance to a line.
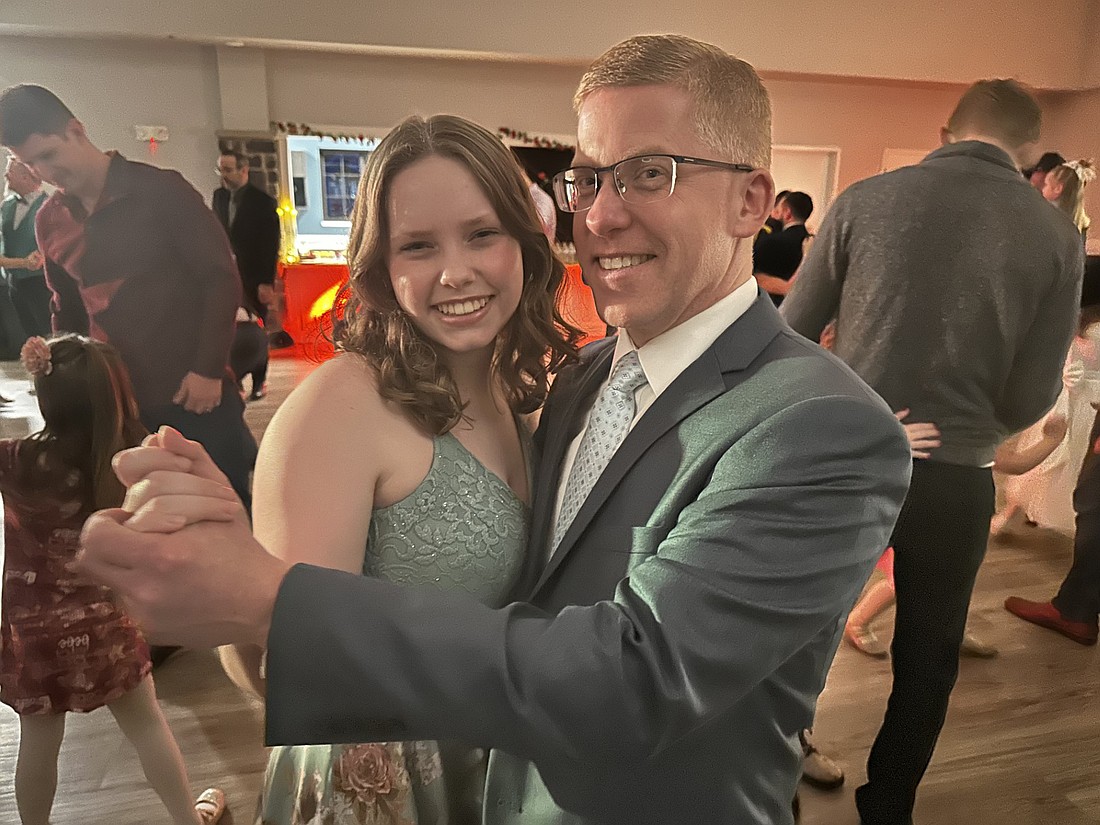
x=65, y=645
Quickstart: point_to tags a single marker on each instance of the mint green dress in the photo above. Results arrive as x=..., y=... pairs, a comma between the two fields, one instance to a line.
x=462, y=529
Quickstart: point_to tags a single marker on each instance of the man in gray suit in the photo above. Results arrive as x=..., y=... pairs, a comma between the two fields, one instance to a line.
x=713, y=492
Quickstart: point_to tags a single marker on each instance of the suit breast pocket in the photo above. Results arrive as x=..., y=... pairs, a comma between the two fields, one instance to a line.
x=644, y=541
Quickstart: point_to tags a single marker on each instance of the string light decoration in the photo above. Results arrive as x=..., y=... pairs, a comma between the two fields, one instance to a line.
x=306, y=130
x=537, y=141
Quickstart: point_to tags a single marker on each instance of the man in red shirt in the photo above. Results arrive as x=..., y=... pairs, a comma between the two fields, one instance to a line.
x=134, y=257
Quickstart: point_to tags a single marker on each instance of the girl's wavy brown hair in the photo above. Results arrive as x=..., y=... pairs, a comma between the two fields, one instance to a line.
x=368, y=320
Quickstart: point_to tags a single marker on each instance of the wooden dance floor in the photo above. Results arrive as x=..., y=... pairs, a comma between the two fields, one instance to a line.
x=1021, y=745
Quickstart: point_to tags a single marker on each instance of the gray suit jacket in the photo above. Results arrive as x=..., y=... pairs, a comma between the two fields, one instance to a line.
x=661, y=665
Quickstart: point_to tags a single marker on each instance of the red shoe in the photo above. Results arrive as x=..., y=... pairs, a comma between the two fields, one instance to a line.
x=1047, y=615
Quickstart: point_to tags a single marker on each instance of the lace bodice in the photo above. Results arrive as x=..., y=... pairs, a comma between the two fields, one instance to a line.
x=461, y=529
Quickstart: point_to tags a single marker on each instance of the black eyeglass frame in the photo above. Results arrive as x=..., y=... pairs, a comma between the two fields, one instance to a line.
x=599, y=170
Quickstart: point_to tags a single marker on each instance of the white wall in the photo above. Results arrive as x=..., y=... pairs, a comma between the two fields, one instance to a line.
x=113, y=86
x=364, y=91
x=1090, y=72
x=861, y=117
x=1042, y=42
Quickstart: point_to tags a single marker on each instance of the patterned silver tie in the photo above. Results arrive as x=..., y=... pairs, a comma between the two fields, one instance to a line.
x=607, y=427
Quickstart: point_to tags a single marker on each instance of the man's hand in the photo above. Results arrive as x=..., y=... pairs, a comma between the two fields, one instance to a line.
x=266, y=294
x=922, y=437
x=207, y=585
x=198, y=394
x=34, y=260
x=196, y=581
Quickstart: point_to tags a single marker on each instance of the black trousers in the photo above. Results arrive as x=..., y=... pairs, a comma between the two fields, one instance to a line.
x=221, y=431
x=31, y=298
x=939, y=543
x=1079, y=597
x=251, y=299
x=12, y=334
x=248, y=354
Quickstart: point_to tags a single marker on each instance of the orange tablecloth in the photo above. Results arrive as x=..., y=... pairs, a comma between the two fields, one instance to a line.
x=309, y=288
x=304, y=285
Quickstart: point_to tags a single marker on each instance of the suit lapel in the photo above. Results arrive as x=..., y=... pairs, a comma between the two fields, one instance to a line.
x=703, y=381
x=221, y=206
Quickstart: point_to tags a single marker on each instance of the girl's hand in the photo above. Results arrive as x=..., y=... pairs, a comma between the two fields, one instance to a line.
x=173, y=483
x=1072, y=374
x=922, y=437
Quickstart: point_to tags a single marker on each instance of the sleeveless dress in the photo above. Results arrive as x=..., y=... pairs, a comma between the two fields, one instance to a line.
x=65, y=645
x=462, y=529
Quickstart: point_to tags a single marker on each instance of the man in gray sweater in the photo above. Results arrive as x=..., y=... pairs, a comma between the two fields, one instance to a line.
x=955, y=290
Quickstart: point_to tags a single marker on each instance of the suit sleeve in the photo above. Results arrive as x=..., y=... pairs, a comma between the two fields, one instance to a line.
x=815, y=297
x=773, y=551
x=268, y=242
x=203, y=247
x=1035, y=380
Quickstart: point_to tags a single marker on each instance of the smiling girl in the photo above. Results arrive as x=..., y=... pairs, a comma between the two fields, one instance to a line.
x=408, y=453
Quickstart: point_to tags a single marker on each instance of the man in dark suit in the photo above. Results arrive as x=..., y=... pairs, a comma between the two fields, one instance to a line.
x=713, y=493
x=249, y=217
x=777, y=256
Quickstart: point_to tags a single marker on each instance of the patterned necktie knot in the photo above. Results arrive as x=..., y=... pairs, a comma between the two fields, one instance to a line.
x=628, y=374
x=608, y=424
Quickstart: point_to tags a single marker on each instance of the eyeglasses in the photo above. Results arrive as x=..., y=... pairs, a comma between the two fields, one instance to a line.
x=642, y=179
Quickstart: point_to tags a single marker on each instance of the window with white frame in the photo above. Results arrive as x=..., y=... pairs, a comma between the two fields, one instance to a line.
x=340, y=171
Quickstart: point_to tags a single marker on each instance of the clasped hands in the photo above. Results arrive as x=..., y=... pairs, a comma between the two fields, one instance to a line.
x=179, y=553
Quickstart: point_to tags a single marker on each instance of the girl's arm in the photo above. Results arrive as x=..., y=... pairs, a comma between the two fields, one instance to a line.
x=1014, y=461
x=32, y=261
x=315, y=482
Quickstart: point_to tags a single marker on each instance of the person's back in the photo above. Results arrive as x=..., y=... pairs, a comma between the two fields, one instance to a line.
x=955, y=288
x=950, y=264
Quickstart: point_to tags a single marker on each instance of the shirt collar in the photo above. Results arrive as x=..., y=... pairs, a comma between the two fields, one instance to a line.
x=977, y=149
x=120, y=183
x=671, y=352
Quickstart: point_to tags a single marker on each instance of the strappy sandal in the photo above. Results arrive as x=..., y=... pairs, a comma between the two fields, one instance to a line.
x=210, y=805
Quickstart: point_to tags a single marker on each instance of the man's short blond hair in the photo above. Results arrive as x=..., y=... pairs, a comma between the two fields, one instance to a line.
x=733, y=114
x=1001, y=109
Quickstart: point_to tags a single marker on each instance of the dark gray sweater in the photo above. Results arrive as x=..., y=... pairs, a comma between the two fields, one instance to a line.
x=956, y=290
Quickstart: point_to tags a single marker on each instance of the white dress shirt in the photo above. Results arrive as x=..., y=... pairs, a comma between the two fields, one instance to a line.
x=23, y=206
x=663, y=359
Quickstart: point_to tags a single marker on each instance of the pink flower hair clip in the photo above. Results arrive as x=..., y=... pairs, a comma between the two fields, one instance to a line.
x=35, y=356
